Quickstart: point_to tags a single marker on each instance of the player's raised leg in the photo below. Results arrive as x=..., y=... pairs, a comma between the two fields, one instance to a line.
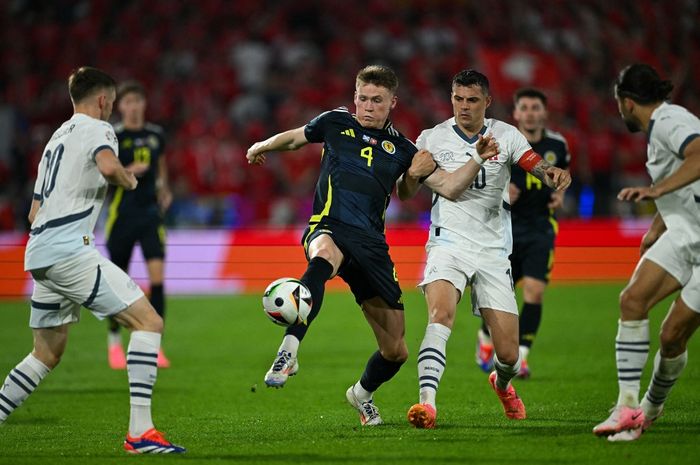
x=649, y=284
x=388, y=326
x=324, y=260
x=441, y=297
x=504, y=333
x=146, y=328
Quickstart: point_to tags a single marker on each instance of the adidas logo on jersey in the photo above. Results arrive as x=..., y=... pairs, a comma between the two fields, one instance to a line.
x=348, y=132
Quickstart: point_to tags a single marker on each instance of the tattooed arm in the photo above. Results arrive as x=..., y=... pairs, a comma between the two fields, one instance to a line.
x=554, y=177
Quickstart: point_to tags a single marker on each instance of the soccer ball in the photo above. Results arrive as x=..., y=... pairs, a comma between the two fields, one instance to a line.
x=287, y=301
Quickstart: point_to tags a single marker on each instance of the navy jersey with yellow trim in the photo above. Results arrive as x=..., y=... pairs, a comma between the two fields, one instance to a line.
x=531, y=206
x=359, y=168
x=145, y=145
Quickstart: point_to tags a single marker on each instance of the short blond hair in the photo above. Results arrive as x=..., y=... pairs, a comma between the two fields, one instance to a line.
x=378, y=75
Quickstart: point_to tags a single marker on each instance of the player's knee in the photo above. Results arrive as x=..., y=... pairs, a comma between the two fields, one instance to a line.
x=631, y=304
x=153, y=322
x=508, y=356
x=398, y=353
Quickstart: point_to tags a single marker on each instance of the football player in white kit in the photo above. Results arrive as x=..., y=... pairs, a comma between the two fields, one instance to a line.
x=670, y=251
x=470, y=240
x=78, y=162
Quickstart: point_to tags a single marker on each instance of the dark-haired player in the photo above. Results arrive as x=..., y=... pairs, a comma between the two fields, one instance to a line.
x=137, y=216
x=470, y=240
x=534, y=226
x=78, y=162
x=362, y=158
x=670, y=251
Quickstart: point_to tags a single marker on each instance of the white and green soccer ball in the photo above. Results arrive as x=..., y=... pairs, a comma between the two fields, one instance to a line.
x=287, y=301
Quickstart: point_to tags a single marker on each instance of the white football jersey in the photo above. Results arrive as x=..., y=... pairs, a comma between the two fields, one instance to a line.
x=71, y=191
x=671, y=128
x=480, y=219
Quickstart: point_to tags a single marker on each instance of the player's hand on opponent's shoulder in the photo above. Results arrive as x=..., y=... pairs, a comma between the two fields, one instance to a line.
x=422, y=164
x=487, y=147
x=560, y=179
x=637, y=194
x=254, y=155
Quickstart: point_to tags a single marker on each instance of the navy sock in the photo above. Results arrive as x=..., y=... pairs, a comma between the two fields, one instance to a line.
x=317, y=273
x=158, y=299
x=378, y=371
x=530, y=318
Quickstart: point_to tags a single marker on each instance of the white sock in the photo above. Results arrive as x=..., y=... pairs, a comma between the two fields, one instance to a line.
x=631, y=353
x=21, y=382
x=504, y=373
x=114, y=337
x=142, y=371
x=432, y=359
x=289, y=344
x=524, y=352
x=666, y=372
x=362, y=394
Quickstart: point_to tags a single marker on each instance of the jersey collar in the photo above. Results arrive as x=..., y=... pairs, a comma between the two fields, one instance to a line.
x=470, y=140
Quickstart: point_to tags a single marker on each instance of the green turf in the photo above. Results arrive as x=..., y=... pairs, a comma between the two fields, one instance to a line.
x=213, y=400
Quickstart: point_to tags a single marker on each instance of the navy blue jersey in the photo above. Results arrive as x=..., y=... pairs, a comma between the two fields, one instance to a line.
x=531, y=206
x=145, y=145
x=359, y=168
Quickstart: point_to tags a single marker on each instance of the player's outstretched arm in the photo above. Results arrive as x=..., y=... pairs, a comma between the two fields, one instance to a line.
x=114, y=172
x=452, y=185
x=287, y=140
x=687, y=172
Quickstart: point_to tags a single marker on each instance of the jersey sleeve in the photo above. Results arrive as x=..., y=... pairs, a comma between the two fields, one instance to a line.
x=101, y=137
x=677, y=132
x=422, y=140
x=518, y=146
x=315, y=129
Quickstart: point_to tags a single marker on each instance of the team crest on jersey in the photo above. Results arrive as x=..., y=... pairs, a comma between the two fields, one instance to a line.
x=369, y=140
x=444, y=157
x=153, y=142
x=550, y=157
x=388, y=147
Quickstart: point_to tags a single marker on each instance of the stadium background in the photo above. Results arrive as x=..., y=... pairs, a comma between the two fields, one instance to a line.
x=221, y=75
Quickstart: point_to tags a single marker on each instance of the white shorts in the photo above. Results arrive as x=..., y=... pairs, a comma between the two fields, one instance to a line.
x=88, y=280
x=680, y=257
x=488, y=275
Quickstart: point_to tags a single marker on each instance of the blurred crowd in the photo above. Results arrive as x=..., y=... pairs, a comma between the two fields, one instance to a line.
x=221, y=75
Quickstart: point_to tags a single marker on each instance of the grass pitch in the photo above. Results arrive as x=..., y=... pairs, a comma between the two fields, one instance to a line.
x=214, y=402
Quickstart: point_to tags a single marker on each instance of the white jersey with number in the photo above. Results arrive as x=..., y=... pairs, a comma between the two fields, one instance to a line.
x=671, y=128
x=479, y=220
x=71, y=191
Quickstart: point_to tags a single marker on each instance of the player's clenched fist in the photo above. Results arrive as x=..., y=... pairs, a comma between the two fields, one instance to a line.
x=422, y=164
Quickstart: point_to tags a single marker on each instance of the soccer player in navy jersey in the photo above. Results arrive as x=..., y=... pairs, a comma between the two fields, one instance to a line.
x=363, y=157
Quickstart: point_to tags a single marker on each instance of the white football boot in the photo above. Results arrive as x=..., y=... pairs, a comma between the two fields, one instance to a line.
x=369, y=413
x=621, y=418
x=284, y=366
